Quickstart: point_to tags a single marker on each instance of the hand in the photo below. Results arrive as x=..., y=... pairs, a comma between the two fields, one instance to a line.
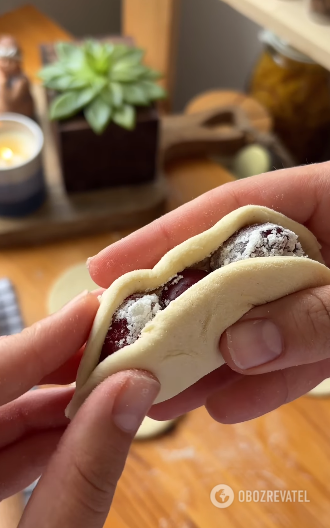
x=277, y=352
x=80, y=462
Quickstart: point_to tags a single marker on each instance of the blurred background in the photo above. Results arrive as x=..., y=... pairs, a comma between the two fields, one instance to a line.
x=86, y=159
x=208, y=31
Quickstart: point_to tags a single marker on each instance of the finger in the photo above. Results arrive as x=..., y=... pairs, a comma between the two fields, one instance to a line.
x=66, y=373
x=195, y=396
x=34, y=412
x=253, y=396
x=304, y=196
x=44, y=347
x=23, y=462
x=78, y=486
x=294, y=330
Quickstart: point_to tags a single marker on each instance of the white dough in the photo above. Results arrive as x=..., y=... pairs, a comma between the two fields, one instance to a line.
x=180, y=345
x=323, y=389
x=68, y=285
x=152, y=428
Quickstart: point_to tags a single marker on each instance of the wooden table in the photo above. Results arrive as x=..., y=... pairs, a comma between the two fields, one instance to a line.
x=167, y=482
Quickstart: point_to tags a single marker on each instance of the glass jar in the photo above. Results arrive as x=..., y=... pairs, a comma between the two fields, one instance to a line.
x=296, y=92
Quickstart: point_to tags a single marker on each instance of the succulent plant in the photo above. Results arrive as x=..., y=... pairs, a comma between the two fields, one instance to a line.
x=104, y=80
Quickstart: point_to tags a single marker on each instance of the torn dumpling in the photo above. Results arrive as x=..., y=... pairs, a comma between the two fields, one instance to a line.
x=260, y=240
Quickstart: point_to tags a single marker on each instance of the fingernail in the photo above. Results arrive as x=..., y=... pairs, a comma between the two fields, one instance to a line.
x=253, y=343
x=134, y=401
x=76, y=299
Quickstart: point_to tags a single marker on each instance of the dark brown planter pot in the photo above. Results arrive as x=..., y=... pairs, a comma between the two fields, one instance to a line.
x=115, y=158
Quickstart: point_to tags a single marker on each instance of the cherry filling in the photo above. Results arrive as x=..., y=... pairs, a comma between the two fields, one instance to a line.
x=117, y=333
x=263, y=240
x=181, y=283
x=129, y=321
x=137, y=310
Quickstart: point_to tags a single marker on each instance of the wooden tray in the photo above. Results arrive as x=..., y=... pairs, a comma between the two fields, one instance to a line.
x=65, y=215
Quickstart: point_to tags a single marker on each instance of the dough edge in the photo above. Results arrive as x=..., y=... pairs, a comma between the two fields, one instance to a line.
x=322, y=390
x=171, y=346
x=150, y=428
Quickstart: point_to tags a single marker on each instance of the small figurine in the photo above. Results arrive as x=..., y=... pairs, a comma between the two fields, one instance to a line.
x=15, y=93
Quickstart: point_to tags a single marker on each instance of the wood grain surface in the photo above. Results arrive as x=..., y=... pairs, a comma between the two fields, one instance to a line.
x=167, y=482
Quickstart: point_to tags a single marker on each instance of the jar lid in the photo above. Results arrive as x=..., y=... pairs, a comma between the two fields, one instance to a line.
x=283, y=47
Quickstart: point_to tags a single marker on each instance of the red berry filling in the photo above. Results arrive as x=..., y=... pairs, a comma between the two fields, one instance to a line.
x=117, y=334
x=129, y=321
x=181, y=283
x=137, y=310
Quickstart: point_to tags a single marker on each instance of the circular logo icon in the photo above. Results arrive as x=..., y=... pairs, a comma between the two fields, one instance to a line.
x=222, y=496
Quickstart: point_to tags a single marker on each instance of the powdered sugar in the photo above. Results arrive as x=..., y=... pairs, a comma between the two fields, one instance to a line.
x=173, y=280
x=176, y=279
x=137, y=312
x=266, y=240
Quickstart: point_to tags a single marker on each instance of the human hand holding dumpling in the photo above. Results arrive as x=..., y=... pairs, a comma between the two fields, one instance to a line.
x=80, y=461
x=277, y=349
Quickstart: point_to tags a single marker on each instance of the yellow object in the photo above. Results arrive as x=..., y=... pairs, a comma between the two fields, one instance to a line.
x=68, y=285
x=296, y=92
x=322, y=390
x=251, y=160
x=153, y=428
x=15, y=149
x=6, y=153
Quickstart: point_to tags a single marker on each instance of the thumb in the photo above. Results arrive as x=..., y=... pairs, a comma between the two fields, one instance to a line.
x=295, y=330
x=79, y=484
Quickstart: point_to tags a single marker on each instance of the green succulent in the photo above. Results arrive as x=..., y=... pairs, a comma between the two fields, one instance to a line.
x=107, y=81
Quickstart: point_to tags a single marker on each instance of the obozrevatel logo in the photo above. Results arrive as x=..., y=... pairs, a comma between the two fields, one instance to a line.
x=222, y=496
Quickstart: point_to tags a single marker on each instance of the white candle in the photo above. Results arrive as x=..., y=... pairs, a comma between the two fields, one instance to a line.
x=21, y=179
x=15, y=149
x=17, y=144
